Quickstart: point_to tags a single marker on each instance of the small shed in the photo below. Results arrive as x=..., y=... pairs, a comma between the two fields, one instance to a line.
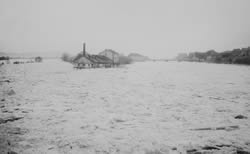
x=38, y=59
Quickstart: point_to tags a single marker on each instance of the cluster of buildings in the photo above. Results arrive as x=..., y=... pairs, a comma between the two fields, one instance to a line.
x=104, y=59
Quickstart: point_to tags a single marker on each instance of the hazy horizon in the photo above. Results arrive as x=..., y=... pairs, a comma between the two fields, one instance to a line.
x=158, y=29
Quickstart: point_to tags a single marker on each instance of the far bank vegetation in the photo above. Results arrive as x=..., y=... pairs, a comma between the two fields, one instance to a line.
x=235, y=56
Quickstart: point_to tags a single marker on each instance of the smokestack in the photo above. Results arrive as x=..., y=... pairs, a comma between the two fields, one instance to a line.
x=84, y=51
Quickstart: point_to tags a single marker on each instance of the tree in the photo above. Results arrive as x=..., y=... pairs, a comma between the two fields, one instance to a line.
x=124, y=60
x=66, y=57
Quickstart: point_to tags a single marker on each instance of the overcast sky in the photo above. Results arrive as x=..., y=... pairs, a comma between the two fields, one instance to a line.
x=156, y=28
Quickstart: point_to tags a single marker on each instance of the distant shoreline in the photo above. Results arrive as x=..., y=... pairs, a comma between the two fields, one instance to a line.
x=235, y=56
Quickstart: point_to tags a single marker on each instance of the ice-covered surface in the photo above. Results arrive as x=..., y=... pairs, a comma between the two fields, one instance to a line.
x=149, y=107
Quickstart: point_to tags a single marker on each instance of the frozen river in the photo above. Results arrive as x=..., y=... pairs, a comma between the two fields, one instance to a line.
x=148, y=107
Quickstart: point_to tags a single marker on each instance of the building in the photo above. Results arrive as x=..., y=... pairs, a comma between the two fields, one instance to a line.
x=85, y=60
x=82, y=62
x=111, y=54
x=38, y=59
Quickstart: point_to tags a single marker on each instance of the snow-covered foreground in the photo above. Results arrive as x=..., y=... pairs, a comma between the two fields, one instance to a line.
x=150, y=107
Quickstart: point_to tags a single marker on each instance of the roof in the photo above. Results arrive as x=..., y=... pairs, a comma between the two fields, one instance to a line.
x=83, y=60
x=108, y=51
x=100, y=59
x=78, y=57
x=92, y=59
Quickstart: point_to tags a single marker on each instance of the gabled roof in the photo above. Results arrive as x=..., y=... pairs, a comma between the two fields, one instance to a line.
x=80, y=55
x=83, y=60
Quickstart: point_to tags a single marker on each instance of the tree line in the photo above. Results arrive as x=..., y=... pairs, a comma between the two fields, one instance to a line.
x=4, y=58
x=235, y=56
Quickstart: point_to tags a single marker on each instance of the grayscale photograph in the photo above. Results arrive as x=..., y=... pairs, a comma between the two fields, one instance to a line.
x=124, y=76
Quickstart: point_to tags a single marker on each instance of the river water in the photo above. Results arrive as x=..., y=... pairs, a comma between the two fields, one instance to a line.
x=131, y=109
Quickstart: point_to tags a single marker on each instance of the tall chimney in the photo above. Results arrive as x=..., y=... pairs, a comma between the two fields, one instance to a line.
x=84, y=50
